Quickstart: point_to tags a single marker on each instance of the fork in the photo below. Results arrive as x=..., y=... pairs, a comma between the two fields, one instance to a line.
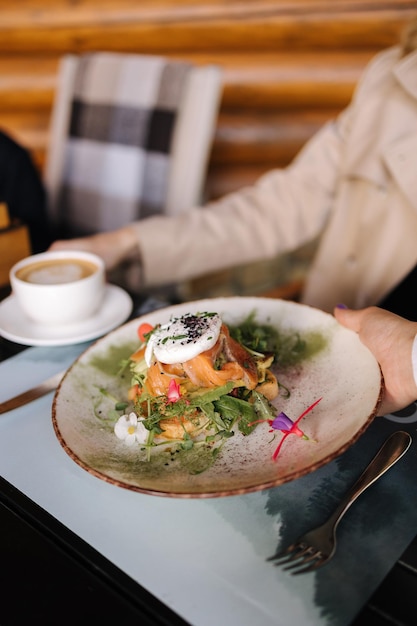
x=318, y=546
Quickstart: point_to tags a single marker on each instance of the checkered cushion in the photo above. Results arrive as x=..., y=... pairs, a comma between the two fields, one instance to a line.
x=116, y=126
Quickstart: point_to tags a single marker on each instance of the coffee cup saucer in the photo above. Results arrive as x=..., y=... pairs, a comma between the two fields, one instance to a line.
x=15, y=326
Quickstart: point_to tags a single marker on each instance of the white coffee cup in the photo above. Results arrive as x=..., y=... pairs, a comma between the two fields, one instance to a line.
x=61, y=287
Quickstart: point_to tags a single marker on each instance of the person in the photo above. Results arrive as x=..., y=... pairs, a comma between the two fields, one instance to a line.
x=392, y=339
x=353, y=186
x=22, y=190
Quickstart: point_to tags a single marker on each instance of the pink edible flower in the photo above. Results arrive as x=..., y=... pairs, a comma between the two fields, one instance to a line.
x=174, y=393
x=283, y=423
x=290, y=426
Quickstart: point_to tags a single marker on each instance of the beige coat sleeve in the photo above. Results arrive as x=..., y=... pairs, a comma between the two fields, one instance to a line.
x=284, y=210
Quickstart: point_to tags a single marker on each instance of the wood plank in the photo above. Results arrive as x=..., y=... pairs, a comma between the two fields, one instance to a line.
x=83, y=11
x=267, y=138
x=288, y=80
x=255, y=80
x=227, y=179
x=62, y=31
x=27, y=82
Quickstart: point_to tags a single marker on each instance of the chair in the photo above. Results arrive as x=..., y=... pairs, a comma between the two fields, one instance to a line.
x=130, y=137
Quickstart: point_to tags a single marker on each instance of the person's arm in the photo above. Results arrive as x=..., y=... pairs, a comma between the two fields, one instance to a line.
x=393, y=341
x=285, y=209
x=114, y=247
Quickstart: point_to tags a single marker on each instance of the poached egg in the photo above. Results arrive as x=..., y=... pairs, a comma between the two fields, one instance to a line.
x=183, y=338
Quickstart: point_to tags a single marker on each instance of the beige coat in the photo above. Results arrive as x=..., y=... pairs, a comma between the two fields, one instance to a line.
x=355, y=182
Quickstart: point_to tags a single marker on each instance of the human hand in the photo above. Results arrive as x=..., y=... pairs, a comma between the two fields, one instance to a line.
x=113, y=247
x=390, y=339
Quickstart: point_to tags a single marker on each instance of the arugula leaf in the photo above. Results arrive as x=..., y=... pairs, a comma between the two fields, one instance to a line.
x=264, y=410
x=210, y=396
x=236, y=410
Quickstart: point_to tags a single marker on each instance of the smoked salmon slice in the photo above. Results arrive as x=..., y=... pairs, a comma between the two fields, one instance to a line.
x=226, y=360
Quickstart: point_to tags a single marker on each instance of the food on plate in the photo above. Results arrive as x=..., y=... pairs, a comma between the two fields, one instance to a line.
x=191, y=380
x=197, y=352
x=186, y=358
x=194, y=382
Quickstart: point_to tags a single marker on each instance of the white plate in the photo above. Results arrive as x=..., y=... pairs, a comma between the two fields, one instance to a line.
x=342, y=372
x=14, y=325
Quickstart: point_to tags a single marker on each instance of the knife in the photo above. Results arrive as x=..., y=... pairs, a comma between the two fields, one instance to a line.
x=32, y=394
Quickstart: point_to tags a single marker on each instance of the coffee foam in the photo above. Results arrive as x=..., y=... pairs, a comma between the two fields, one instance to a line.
x=55, y=272
x=65, y=273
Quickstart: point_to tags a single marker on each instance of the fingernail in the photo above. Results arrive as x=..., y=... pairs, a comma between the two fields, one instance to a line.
x=341, y=306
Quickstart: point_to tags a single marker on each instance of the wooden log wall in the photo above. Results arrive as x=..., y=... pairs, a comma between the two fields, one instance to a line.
x=288, y=65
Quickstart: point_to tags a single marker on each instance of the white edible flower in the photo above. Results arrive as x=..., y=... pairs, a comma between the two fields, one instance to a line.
x=131, y=429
